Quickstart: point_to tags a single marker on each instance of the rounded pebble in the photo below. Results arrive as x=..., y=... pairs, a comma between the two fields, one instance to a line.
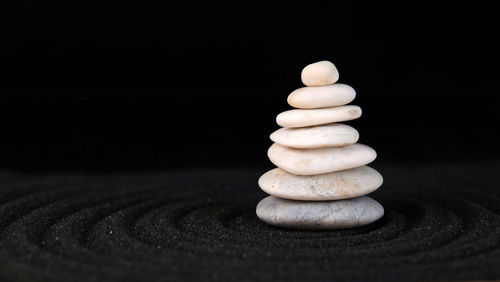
x=337, y=185
x=319, y=215
x=337, y=94
x=302, y=118
x=319, y=74
x=321, y=136
x=323, y=160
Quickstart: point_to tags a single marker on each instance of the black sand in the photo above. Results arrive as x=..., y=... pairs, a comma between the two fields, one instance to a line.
x=442, y=222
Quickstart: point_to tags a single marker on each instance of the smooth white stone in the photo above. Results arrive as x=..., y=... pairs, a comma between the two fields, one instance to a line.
x=337, y=94
x=323, y=160
x=319, y=74
x=321, y=136
x=319, y=215
x=302, y=118
x=344, y=184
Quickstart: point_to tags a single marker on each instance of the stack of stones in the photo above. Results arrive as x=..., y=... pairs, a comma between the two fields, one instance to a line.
x=321, y=176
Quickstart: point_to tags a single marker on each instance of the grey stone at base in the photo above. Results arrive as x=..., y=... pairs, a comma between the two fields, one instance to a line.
x=325, y=215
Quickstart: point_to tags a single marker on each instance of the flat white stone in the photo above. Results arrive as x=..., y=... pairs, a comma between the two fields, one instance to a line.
x=302, y=118
x=321, y=136
x=337, y=94
x=327, y=215
x=322, y=160
x=319, y=74
x=344, y=184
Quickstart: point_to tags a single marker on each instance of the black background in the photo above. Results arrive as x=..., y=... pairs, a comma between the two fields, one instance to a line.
x=149, y=86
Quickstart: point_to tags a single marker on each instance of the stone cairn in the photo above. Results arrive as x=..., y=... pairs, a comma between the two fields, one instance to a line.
x=321, y=176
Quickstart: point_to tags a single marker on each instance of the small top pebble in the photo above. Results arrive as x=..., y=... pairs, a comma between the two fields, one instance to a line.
x=320, y=74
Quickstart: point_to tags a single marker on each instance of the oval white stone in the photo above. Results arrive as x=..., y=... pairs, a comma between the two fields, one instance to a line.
x=319, y=215
x=321, y=136
x=301, y=118
x=337, y=94
x=323, y=160
x=319, y=74
x=344, y=184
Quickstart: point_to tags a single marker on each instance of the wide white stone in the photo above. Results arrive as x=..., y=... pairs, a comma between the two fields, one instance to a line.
x=322, y=160
x=329, y=135
x=320, y=74
x=337, y=94
x=302, y=118
x=344, y=184
x=319, y=215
